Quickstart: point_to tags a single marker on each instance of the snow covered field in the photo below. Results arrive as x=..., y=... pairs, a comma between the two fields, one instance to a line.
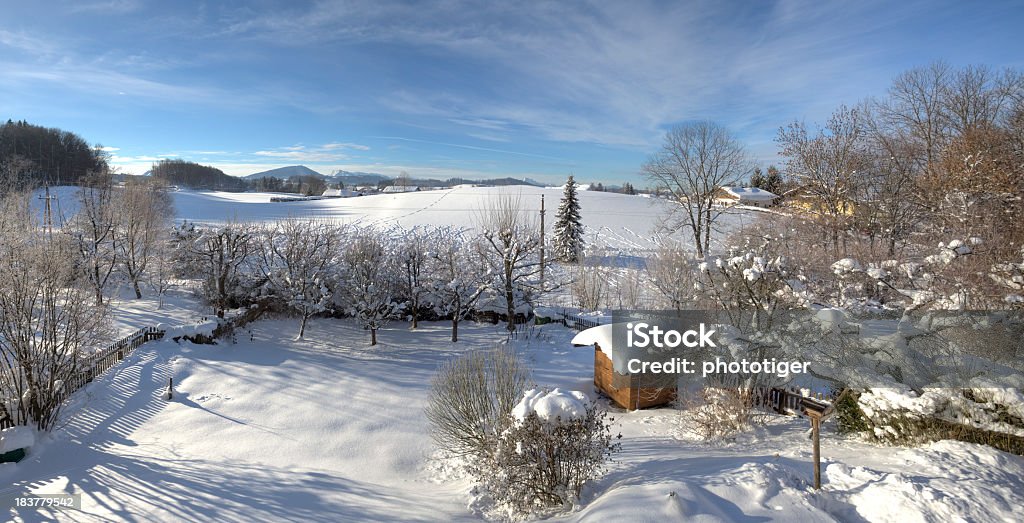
x=613, y=220
x=327, y=429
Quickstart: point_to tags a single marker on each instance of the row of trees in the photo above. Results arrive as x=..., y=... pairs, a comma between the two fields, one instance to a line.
x=375, y=275
x=938, y=159
x=307, y=185
x=196, y=176
x=31, y=155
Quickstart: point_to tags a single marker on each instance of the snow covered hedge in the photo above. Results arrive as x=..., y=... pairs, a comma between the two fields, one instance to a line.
x=988, y=415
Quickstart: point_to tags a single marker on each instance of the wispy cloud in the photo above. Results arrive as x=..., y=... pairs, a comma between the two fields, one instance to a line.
x=471, y=147
x=329, y=152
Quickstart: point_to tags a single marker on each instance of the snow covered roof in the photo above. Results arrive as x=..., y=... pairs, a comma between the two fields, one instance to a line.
x=600, y=335
x=396, y=188
x=750, y=193
x=339, y=193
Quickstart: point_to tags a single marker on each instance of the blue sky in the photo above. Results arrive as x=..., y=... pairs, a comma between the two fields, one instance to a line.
x=473, y=89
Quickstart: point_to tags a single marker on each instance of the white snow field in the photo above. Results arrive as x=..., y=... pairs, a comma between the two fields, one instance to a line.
x=328, y=429
x=612, y=220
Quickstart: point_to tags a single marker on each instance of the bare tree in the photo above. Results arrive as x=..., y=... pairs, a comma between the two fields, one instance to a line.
x=671, y=271
x=143, y=217
x=369, y=289
x=46, y=317
x=830, y=165
x=218, y=254
x=458, y=276
x=694, y=162
x=413, y=253
x=93, y=228
x=510, y=246
x=297, y=260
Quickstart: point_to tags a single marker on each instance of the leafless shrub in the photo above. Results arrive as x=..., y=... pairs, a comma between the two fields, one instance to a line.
x=471, y=399
x=589, y=287
x=716, y=413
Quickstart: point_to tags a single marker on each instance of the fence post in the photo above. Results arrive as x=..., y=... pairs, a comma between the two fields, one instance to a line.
x=816, y=433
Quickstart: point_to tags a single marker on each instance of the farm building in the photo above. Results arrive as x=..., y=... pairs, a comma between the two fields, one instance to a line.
x=340, y=193
x=629, y=391
x=400, y=188
x=745, y=196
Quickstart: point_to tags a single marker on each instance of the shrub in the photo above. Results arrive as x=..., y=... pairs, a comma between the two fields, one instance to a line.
x=471, y=401
x=849, y=418
x=717, y=413
x=541, y=464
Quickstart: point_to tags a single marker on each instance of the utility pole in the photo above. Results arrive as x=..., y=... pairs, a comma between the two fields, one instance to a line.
x=542, y=242
x=47, y=213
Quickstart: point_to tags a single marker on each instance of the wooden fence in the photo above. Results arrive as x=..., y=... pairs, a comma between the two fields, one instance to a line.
x=790, y=400
x=577, y=323
x=95, y=364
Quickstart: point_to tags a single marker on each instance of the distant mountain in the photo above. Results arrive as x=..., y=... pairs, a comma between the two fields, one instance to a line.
x=284, y=173
x=359, y=177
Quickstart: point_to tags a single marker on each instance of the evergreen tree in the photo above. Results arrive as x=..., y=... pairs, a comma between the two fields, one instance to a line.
x=773, y=182
x=757, y=179
x=568, y=229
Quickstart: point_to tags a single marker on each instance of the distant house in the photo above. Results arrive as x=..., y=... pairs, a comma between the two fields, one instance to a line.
x=629, y=391
x=745, y=196
x=401, y=188
x=340, y=193
x=808, y=200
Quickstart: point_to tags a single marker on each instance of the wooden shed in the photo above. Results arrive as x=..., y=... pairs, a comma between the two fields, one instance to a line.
x=629, y=391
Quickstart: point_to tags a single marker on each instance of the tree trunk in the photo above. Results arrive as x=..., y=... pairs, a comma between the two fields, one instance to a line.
x=302, y=326
x=373, y=337
x=135, y=286
x=455, y=328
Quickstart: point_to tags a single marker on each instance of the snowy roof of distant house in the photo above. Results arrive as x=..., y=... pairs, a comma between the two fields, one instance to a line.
x=750, y=193
x=339, y=193
x=397, y=188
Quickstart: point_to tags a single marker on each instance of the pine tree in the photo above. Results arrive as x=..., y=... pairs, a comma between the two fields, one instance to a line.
x=773, y=182
x=568, y=229
x=757, y=179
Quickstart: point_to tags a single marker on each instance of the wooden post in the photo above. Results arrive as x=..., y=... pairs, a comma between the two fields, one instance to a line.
x=815, y=434
x=170, y=388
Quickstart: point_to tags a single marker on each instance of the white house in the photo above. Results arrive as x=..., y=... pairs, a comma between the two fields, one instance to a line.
x=340, y=193
x=401, y=188
x=745, y=196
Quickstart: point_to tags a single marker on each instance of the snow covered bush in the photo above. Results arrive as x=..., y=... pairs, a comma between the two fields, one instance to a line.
x=221, y=257
x=471, y=400
x=754, y=278
x=987, y=415
x=556, y=441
